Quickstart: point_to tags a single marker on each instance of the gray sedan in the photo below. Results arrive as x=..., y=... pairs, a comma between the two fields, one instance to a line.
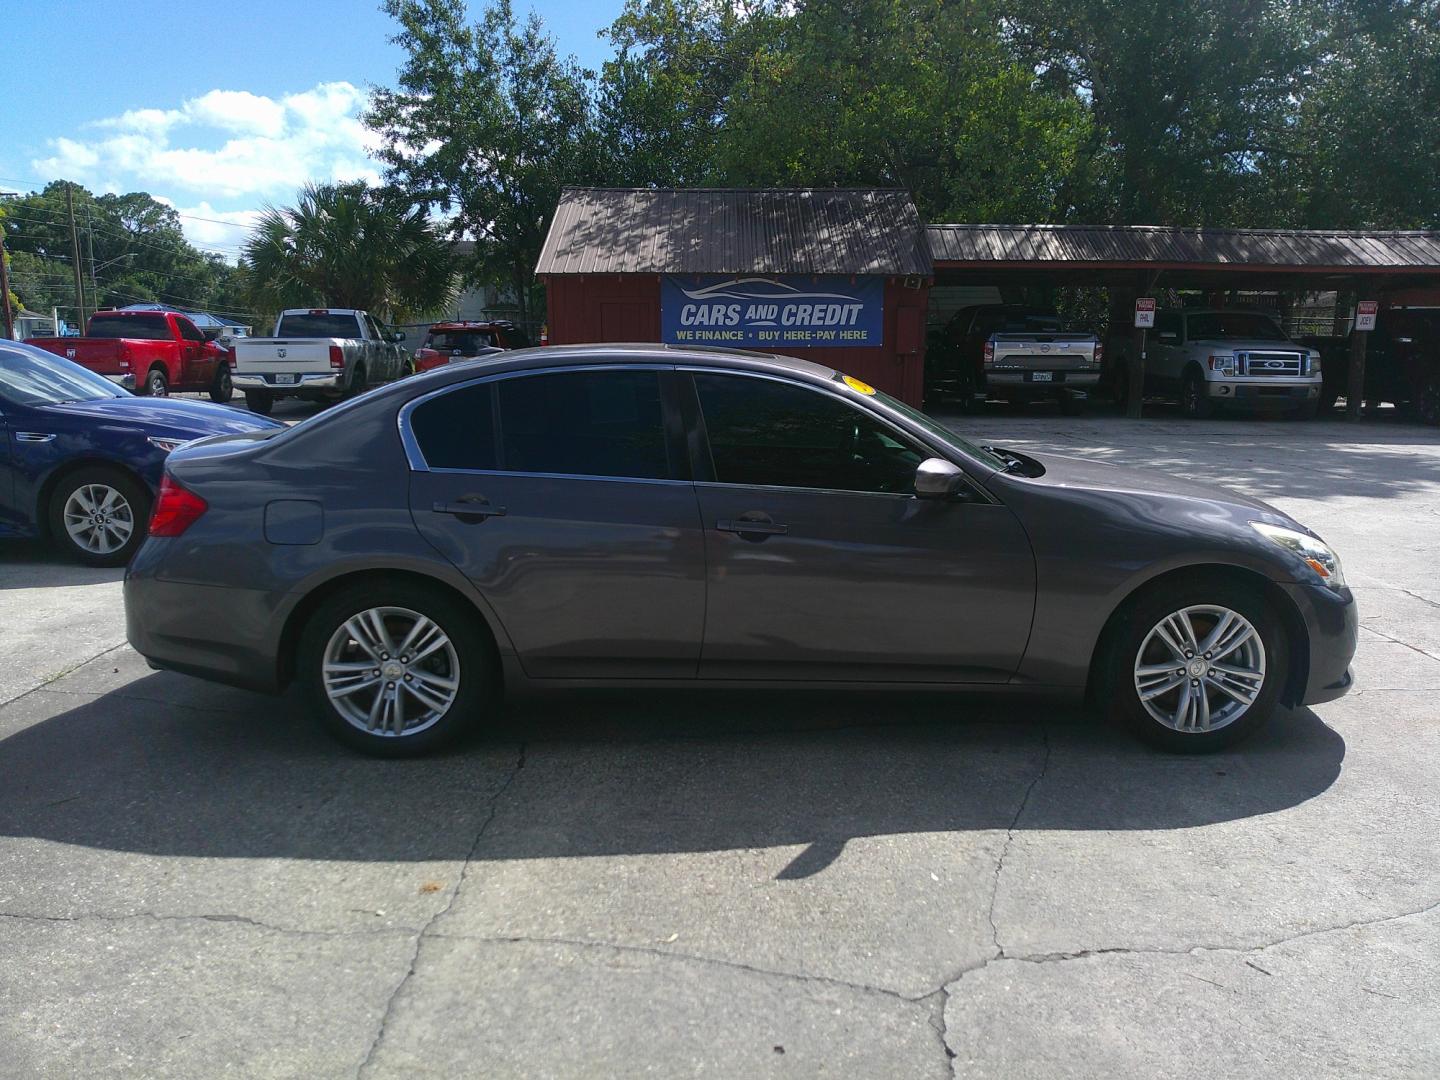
x=650, y=516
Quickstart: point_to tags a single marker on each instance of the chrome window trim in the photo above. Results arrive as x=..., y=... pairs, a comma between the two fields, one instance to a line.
x=946, y=454
x=417, y=461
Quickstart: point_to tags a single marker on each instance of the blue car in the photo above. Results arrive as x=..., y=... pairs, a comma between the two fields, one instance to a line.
x=81, y=458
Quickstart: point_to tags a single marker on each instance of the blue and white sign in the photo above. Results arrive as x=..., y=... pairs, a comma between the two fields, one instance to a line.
x=720, y=309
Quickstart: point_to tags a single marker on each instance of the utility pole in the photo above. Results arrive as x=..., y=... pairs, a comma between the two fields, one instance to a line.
x=75, y=256
x=90, y=255
x=5, y=283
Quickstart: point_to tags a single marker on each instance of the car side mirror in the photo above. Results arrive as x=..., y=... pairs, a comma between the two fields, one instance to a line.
x=936, y=478
x=398, y=336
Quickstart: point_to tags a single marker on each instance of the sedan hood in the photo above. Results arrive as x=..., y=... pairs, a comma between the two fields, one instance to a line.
x=167, y=416
x=1085, y=474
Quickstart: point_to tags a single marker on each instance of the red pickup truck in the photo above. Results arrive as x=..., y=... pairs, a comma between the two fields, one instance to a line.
x=151, y=352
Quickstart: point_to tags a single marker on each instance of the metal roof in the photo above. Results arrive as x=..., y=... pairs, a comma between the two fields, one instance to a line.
x=1165, y=245
x=735, y=230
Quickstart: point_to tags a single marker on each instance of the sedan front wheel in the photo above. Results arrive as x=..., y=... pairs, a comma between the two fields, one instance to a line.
x=396, y=670
x=1198, y=668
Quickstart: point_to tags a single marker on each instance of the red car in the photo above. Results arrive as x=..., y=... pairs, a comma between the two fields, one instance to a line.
x=448, y=342
x=151, y=352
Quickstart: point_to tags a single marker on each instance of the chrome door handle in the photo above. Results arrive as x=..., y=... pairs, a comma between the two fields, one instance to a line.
x=34, y=436
x=756, y=528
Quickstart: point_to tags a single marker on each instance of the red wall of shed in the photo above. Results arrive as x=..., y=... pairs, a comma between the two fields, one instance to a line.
x=596, y=308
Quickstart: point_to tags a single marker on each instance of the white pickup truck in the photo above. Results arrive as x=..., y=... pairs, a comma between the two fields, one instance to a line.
x=318, y=354
x=1233, y=358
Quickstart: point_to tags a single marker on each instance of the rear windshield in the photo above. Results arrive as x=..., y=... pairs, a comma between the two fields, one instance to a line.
x=144, y=327
x=464, y=342
x=1233, y=325
x=1030, y=320
x=311, y=324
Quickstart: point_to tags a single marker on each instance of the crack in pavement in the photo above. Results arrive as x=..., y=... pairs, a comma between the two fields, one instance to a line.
x=424, y=931
x=1010, y=837
x=60, y=675
x=1397, y=641
x=214, y=917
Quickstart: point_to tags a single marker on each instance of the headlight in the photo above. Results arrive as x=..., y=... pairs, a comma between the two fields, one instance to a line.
x=1314, y=553
x=166, y=444
x=1223, y=363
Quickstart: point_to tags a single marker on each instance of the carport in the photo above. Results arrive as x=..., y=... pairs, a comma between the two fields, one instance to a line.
x=1138, y=260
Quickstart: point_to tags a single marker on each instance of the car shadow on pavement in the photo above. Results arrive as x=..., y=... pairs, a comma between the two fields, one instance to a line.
x=31, y=564
x=171, y=766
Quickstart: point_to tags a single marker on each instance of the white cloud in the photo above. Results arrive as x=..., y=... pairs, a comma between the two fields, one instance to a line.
x=225, y=145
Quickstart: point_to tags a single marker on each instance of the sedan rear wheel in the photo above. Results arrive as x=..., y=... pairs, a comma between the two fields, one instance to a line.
x=396, y=670
x=1198, y=668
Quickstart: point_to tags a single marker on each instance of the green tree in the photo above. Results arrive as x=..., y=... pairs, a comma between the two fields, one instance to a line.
x=921, y=94
x=1189, y=100
x=349, y=245
x=487, y=124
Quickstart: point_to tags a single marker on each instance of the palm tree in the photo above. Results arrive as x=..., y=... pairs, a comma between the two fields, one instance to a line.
x=352, y=246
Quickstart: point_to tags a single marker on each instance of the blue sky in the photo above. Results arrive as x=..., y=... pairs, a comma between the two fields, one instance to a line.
x=217, y=111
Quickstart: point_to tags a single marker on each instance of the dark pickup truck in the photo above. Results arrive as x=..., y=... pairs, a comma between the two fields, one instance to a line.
x=1402, y=363
x=150, y=352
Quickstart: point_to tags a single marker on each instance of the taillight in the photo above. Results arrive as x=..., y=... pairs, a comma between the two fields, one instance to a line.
x=337, y=356
x=989, y=352
x=1099, y=352
x=230, y=359
x=124, y=355
x=176, y=508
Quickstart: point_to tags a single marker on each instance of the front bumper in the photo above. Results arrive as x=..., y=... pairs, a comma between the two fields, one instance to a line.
x=1264, y=393
x=322, y=381
x=125, y=382
x=1332, y=625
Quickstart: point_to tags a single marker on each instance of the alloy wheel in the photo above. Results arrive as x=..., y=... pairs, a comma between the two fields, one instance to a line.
x=1200, y=668
x=391, y=671
x=98, y=519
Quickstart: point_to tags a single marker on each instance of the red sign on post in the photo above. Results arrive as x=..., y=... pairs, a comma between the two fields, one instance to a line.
x=1145, y=312
x=1365, y=313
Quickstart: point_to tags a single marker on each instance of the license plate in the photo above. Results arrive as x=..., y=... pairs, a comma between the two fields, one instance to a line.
x=283, y=379
x=1041, y=376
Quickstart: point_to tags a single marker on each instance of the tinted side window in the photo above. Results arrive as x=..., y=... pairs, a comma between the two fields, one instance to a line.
x=769, y=433
x=456, y=430
x=585, y=423
x=188, y=331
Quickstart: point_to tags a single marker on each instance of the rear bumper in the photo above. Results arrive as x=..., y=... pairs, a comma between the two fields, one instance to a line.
x=1332, y=625
x=1023, y=383
x=321, y=381
x=173, y=626
x=126, y=381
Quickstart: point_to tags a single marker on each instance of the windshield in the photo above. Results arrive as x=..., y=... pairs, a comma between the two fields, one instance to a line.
x=932, y=427
x=318, y=324
x=464, y=342
x=1233, y=325
x=144, y=327
x=30, y=376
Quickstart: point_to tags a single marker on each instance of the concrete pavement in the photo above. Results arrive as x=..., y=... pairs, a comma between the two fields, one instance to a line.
x=193, y=882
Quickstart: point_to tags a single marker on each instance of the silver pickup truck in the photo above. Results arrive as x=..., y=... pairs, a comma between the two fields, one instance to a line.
x=1213, y=357
x=318, y=354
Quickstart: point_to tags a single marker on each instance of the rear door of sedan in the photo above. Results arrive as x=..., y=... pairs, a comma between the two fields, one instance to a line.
x=565, y=496
x=822, y=562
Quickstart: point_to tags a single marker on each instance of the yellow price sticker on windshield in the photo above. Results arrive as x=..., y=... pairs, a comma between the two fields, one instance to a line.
x=856, y=385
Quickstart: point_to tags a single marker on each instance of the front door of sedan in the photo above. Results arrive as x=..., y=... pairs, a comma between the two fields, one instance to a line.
x=822, y=562
x=565, y=498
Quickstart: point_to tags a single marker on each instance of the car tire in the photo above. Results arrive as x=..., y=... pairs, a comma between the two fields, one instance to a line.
x=357, y=385
x=79, y=501
x=365, y=717
x=157, y=383
x=1427, y=403
x=222, y=389
x=260, y=402
x=1195, y=403
x=1139, y=658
